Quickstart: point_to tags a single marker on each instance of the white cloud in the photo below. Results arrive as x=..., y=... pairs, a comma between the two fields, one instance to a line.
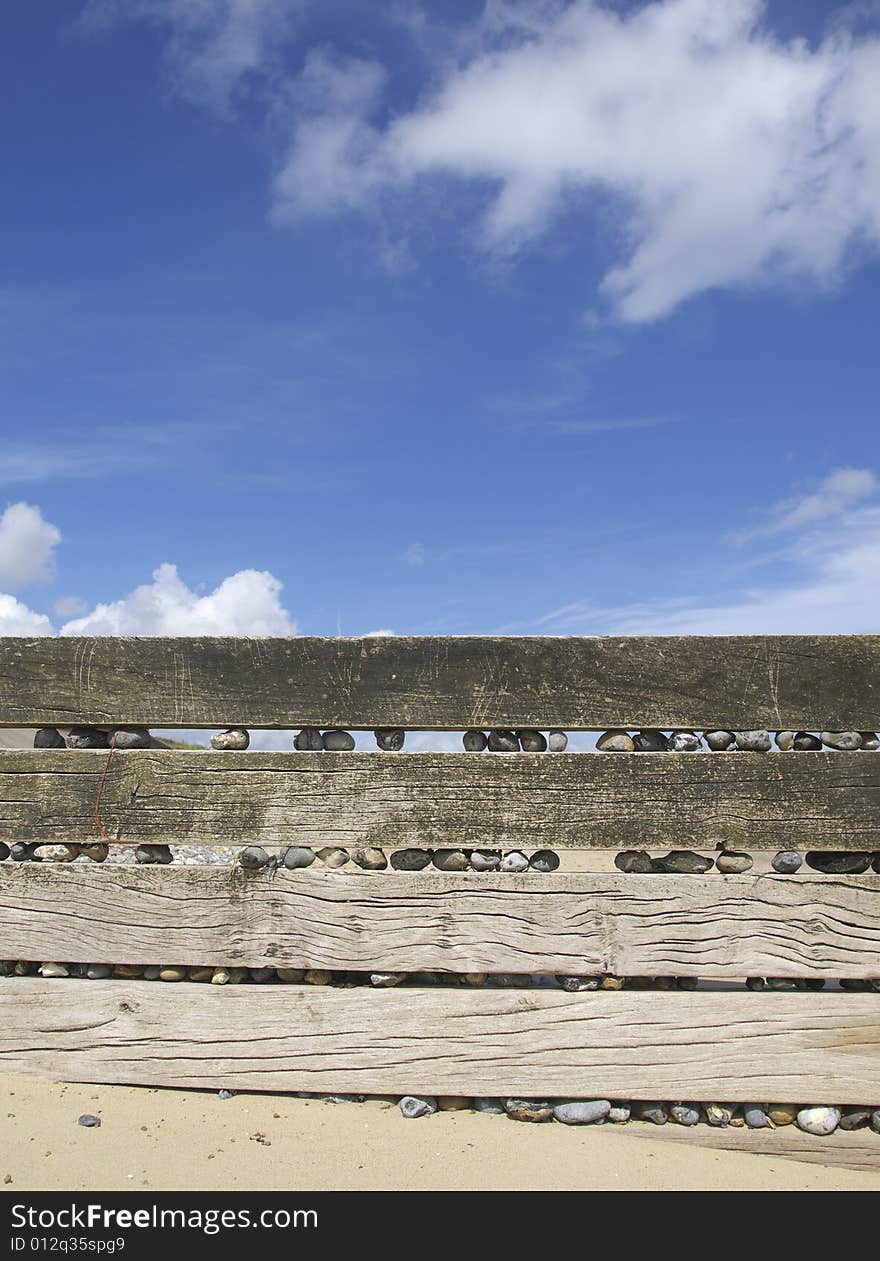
x=17, y=619
x=379, y=634
x=839, y=490
x=27, y=546
x=730, y=158
x=247, y=603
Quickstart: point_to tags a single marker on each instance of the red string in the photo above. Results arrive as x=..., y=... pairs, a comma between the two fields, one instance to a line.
x=98, y=824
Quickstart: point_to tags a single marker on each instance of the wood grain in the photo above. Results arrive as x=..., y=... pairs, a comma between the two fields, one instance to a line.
x=726, y=927
x=782, y=681
x=854, y=1149
x=823, y=800
x=446, y=1041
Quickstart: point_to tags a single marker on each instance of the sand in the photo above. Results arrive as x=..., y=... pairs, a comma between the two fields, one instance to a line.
x=193, y=1140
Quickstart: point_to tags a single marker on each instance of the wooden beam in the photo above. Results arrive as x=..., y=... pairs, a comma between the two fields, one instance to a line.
x=722, y=927
x=706, y=1046
x=823, y=800
x=847, y=1149
x=777, y=681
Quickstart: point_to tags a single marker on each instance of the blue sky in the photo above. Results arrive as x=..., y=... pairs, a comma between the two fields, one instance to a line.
x=445, y=318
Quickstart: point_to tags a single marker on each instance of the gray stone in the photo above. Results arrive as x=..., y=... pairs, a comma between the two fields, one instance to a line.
x=24, y=852
x=684, y=742
x=89, y=1121
x=576, y=984
x=87, y=738
x=308, y=740
x=780, y=983
x=615, y=741
x=545, y=860
x=754, y=982
x=557, y=741
x=684, y=861
x=532, y=741
x=151, y=973
x=875, y=863
x=634, y=860
x=296, y=856
x=485, y=860
x=233, y=738
x=370, y=858
x=225, y=1094
x=656, y=1113
x=340, y=1098
x=450, y=860
x=647, y=741
x=784, y=740
x=489, y=1105
x=131, y=738
x=806, y=742
x=98, y=971
x=730, y=861
x=390, y=739
x=718, y=741
x=582, y=1111
x=619, y=1113
x=515, y=860
x=838, y=862
x=337, y=741
x=755, y=1117
x=855, y=1118
x=474, y=741
x=870, y=741
x=4, y=851
x=48, y=738
x=414, y=1106
x=875, y=1120
x=818, y=1120
x=261, y=975
x=154, y=854
x=503, y=741
x=333, y=856
x=253, y=858
x=718, y=1114
x=410, y=859
x=846, y=741
x=753, y=741
x=787, y=862
x=528, y=1109
x=684, y=1114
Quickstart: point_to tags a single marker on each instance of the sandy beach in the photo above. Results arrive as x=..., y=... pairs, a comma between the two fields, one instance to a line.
x=190, y=1140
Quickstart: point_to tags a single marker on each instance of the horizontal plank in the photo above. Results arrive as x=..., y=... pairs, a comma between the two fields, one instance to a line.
x=574, y=923
x=447, y=683
x=738, y=1046
x=846, y=1149
x=821, y=800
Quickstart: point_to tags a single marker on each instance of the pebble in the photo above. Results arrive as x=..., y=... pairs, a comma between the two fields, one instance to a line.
x=654, y=1112
x=172, y=974
x=153, y=854
x=503, y=741
x=98, y=971
x=754, y=982
x=53, y=969
x=611, y=983
x=718, y=1114
x=87, y=738
x=56, y=853
x=384, y=980
x=511, y=980
x=131, y=738
x=634, y=860
x=576, y=984
x=131, y=971
x=787, y=862
x=528, y=1109
x=308, y=740
x=731, y=861
x=453, y=1103
x=334, y=857
x=582, y=1111
x=370, y=859
x=753, y=741
x=684, y=1114
x=782, y=1113
x=684, y=861
x=485, y=860
x=647, y=741
x=89, y=1121
x=875, y=865
x=847, y=741
x=684, y=742
x=225, y=1094
x=390, y=739
x=48, y=738
x=615, y=741
x=780, y=983
x=410, y=859
x=297, y=856
x=532, y=741
x=544, y=860
x=450, y=860
x=259, y=975
x=618, y=1113
x=24, y=852
x=337, y=741
x=718, y=741
x=855, y=1118
x=474, y=741
x=515, y=860
x=232, y=738
x=806, y=742
x=290, y=976
x=98, y=853
x=784, y=740
x=152, y=973
x=755, y=1117
x=414, y=1106
x=317, y=976
x=870, y=741
x=476, y=978
x=195, y=974
x=838, y=862
x=4, y=851
x=875, y=1120
x=687, y=982
x=492, y=1106
x=818, y=1120
x=253, y=858
x=557, y=741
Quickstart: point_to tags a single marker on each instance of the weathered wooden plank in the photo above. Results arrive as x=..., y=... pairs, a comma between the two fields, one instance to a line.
x=854, y=1149
x=449, y=683
x=446, y=1041
x=590, y=800
x=576, y=923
